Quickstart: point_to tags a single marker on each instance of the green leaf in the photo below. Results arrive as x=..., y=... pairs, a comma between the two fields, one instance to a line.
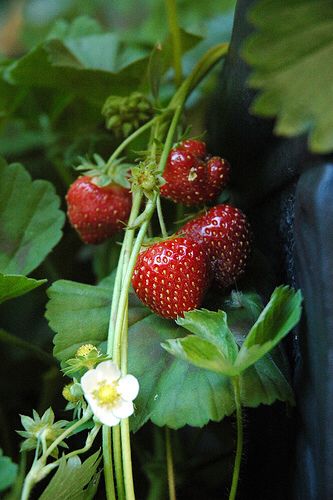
x=80, y=314
x=200, y=353
x=213, y=327
x=30, y=220
x=8, y=472
x=71, y=478
x=14, y=285
x=176, y=393
x=291, y=54
x=55, y=64
x=280, y=315
x=80, y=26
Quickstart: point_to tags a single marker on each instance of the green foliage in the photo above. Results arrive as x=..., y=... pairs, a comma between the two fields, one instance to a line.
x=80, y=314
x=74, y=479
x=87, y=64
x=30, y=220
x=291, y=54
x=8, y=472
x=12, y=286
x=173, y=392
x=280, y=315
x=214, y=348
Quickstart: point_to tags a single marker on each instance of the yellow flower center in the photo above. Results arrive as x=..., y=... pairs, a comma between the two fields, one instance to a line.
x=106, y=394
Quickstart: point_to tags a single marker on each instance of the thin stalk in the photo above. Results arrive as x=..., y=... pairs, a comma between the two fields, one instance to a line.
x=239, y=448
x=123, y=259
x=127, y=459
x=203, y=66
x=170, y=467
x=43, y=356
x=108, y=465
x=67, y=432
x=171, y=8
x=118, y=464
x=133, y=136
x=89, y=442
x=33, y=476
x=161, y=218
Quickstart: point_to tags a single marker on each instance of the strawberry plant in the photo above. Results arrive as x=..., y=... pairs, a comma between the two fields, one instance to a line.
x=123, y=225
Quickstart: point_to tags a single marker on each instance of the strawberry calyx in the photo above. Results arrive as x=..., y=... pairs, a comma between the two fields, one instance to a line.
x=104, y=173
x=147, y=178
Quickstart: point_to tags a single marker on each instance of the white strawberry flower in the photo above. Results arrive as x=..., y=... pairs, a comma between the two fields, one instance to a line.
x=109, y=394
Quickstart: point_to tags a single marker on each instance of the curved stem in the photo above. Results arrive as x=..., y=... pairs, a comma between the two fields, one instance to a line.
x=170, y=468
x=171, y=9
x=34, y=474
x=133, y=136
x=88, y=414
x=108, y=465
x=89, y=442
x=239, y=449
x=204, y=65
x=160, y=217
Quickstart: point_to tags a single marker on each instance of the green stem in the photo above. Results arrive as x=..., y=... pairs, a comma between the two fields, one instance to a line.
x=108, y=465
x=203, y=66
x=133, y=136
x=170, y=468
x=124, y=255
x=239, y=449
x=171, y=8
x=87, y=416
x=127, y=459
x=34, y=474
x=43, y=356
x=118, y=464
x=89, y=442
x=161, y=218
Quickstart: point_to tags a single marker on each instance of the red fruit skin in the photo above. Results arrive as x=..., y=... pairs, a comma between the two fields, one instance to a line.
x=97, y=213
x=195, y=147
x=226, y=236
x=172, y=277
x=191, y=176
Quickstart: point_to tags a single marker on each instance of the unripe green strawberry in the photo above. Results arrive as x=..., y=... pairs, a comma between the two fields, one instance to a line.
x=97, y=212
x=172, y=276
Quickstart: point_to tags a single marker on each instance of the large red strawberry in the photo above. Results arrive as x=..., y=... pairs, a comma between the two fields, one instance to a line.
x=171, y=277
x=97, y=212
x=193, y=177
x=226, y=236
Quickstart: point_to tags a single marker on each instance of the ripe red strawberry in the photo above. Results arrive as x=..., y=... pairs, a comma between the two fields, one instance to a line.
x=97, y=212
x=226, y=236
x=171, y=277
x=193, y=177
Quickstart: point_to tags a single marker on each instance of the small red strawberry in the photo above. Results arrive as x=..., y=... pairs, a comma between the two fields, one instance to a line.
x=226, y=236
x=193, y=177
x=171, y=277
x=97, y=212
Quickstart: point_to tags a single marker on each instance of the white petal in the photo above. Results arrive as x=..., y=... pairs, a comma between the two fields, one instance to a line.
x=128, y=387
x=106, y=416
x=89, y=381
x=107, y=370
x=123, y=409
